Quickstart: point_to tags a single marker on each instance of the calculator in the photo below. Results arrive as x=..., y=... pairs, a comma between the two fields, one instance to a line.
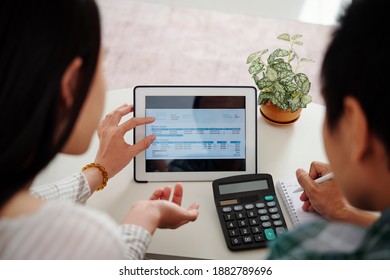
x=248, y=210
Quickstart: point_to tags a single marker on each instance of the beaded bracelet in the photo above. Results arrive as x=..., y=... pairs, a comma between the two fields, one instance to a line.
x=104, y=174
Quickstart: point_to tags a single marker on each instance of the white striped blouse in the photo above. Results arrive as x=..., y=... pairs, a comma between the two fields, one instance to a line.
x=63, y=228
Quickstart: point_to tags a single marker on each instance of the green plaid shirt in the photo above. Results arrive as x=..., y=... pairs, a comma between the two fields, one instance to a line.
x=326, y=240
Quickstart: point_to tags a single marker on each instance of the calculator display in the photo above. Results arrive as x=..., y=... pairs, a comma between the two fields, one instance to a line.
x=243, y=187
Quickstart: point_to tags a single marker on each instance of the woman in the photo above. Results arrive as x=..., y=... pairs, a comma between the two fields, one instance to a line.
x=51, y=101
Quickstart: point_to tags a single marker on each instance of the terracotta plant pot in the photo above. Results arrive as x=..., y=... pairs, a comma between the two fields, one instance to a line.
x=277, y=116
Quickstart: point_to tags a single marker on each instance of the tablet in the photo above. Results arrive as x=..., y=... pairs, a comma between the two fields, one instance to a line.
x=202, y=132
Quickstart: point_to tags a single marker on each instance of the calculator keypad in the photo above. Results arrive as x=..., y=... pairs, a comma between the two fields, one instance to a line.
x=250, y=225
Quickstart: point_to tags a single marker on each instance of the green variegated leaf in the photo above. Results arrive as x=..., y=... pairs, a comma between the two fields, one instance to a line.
x=296, y=36
x=303, y=82
x=306, y=99
x=295, y=103
x=291, y=87
x=306, y=87
x=252, y=57
x=282, y=66
x=278, y=88
x=277, y=53
x=294, y=107
x=277, y=61
x=285, y=77
x=284, y=36
x=256, y=68
x=295, y=100
x=263, y=98
x=281, y=53
x=263, y=83
x=263, y=52
x=304, y=59
x=300, y=79
x=267, y=95
x=283, y=106
x=271, y=74
x=299, y=43
x=251, y=69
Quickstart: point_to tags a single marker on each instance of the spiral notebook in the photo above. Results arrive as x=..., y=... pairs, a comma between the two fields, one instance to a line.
x=293, y=203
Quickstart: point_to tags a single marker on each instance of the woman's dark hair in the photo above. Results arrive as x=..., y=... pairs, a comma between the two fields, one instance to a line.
x=39, y=39
x=357, y=64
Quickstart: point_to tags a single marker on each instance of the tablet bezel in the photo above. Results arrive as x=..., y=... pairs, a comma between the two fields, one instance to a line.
x=250, y=93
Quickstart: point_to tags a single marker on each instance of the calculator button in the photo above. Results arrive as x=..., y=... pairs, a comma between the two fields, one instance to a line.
x=254, y=222
x=278, y=223
x=280, y=230
x=249, y=206
x=260, y=205
x=256, y=230
x=228, y=217
x=233, y=232
x=264, y=218
x=251, y=214
x=231, y=224
x=258, y=237
x=235, y=240
x=275, y=216
x=245, y=231
x=247, y=239
x=242, y=223
x=240, y=216
x=266, y=224
x=269, y=234
x=226, y=209
x=271, y=204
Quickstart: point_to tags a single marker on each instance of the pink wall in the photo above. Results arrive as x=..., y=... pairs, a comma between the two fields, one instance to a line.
x=157, y=44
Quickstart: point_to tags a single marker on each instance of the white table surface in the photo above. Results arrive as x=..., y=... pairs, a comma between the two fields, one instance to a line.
x=281, y=150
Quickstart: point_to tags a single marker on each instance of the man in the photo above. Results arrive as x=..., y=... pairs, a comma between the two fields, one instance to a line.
x=355, y=88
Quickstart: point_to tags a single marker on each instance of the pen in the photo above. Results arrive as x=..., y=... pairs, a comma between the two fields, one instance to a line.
x=319, y=180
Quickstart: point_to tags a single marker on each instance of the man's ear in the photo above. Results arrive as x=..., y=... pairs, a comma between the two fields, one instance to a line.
x=69, y=81
x=357, y=129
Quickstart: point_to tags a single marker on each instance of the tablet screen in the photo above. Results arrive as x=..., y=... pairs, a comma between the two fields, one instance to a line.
x=202, y=132
x=196, y=133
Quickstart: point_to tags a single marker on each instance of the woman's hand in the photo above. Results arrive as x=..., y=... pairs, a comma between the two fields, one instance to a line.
x=114, y=153
x=172, y=217
x=159, y=212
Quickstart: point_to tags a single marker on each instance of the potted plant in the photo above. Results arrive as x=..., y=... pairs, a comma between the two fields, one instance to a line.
x=283, y=91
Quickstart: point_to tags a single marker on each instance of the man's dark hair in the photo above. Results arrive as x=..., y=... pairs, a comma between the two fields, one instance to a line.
x=39, y=39
x=357, y=64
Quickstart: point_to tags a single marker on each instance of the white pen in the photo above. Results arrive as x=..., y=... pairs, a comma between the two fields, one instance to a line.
x=319, y=180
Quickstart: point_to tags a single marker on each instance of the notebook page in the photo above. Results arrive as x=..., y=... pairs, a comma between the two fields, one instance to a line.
x=293, y=203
